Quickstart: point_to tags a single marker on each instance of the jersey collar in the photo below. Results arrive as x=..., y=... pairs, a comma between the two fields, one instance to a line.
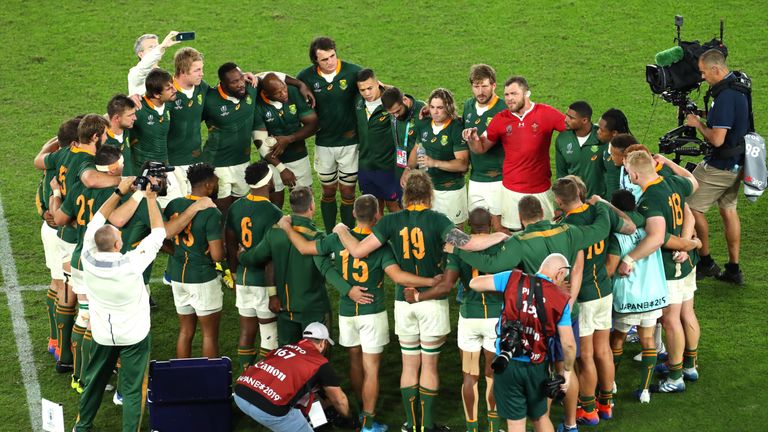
x=445, y=125
x=192, y=197
x=256, y=198
x=653, y=182
x=361, y=230
x=225, y=96
x=338, y=68
x=580, y=209
x=76, y=149
x=416, y=207
x=522, y=117
x=492, y=103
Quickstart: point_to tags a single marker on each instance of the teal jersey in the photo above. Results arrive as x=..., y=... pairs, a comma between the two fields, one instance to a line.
x=191, y=260
x=486, y=167
x=149, y=136
x=230, y=127
x=250, y=217
x=184, y=135
x=367, y=272
x=374, y=130
x=335, y=103
x=284, y=119
x=584, y=160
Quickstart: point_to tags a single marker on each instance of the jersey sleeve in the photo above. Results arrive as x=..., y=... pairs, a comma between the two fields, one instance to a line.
x=616, y=222
x=387, y=256
x=328, y=244
x=614, y=248
x=452, y=262
x=260, y=254
x=649, y=208
x=458, y=142
x=493, y=131
x=723, y=113
x=50, y=160
x=258, y=120
x=444, y=225
x=560, y=168
x=585, y=236
x=327, y=269
x=302, y=107
x=681, y=184
x=500, y=280
x=70, y=203
x=565, y=319
x=383, y=229
x=213, y=225
x=508, y=256
x=557, y=119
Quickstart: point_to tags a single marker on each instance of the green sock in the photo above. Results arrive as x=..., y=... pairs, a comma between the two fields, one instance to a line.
x=427, y=405
x=328, y=211
x=246, y=356
x=65, y=319
x=493, y=421
x=604, y=397
x=410, y=397
x=78, y=333
x=676, y=371
x=262, y=353
x=617, y=353
x=85, y=355
x=472, y=426
x=689, y=358
x=346, y=211
x=648, y=363
x=367, y=419
x=50, y=307
x=587, y=403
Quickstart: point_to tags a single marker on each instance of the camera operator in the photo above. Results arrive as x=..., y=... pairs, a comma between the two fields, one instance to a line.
x=119, y=306
x=720, y=173
x=535, y=308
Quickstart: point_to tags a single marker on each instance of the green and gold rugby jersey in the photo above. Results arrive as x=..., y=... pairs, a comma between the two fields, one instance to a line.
x=250, y=217
x=475, y=304
x=584, y=161
x=81, y=204
x=43, y=194
x=138, y=227
x=665, y=197
x=486, y=167
x=442, y=146
x=335, y=103
x=149, y=135
x=404, y=134
x=184, y=137
x=300, y=280
x=374, y=130
x=284, y=119
x=595, y=283
x=191, y=260
x=366, y=272
x=416, y=235
x=122, y=143
x=230, y=126
x=72, y=164
x=612, y=175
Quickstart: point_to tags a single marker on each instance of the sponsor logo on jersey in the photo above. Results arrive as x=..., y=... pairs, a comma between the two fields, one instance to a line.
x=477, y=121
x=190, y=103
x=509, y=130
x=248, y=100
x=292, y=108
x=237, y=107
x=488, y=121
x=594, y=157
x=535, y=128
x=444, y=140
x=200, y=98
x=343, y=84
x=330, y=87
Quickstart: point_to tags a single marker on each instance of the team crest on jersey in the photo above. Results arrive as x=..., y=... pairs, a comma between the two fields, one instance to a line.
x=292, y=108
x=509, y=130
x=343, y=84
x=593, y=148
x=200, y=99
x=569, y=148
x=535, y=128
x=224, y=111
x=150, y=119
x=444, y=140
x=488, y=121
x=248, y=100
x=477, y=121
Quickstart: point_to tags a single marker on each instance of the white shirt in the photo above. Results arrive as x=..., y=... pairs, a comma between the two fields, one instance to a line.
x=119, y=301
x=138, y=74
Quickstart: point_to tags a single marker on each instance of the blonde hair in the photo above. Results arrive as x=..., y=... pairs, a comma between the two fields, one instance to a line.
x=183, y=59
x=418, y=189
x=580, y=184
x=640, y=162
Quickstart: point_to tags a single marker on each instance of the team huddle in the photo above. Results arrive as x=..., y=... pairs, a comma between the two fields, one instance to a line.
x=616, y=215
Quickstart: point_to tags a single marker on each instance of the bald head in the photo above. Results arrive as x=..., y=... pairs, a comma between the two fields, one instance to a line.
x=274, y=88
x=555, y=266
x=107, y=239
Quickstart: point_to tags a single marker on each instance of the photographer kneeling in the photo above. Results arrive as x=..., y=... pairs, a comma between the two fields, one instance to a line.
x=535, y=308
x=119, y=308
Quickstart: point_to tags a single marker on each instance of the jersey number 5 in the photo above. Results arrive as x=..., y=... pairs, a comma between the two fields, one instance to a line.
x=413, y=243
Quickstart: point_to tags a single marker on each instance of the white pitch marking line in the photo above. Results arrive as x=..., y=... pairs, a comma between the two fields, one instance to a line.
x=20, y=329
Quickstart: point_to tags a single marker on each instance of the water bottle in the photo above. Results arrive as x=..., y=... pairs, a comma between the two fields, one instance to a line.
x=421, y=151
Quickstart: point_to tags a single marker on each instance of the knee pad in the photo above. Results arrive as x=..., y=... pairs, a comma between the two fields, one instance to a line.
x=432, y=345
x=268, y=334
x=348, y=179
x=409, y=345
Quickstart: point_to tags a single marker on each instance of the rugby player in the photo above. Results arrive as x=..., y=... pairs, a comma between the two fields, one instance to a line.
x=121, y=113
x=612, y=123
x=404, y=110
x=578, y=151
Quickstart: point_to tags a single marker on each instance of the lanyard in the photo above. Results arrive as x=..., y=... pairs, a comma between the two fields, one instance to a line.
x=407, y=129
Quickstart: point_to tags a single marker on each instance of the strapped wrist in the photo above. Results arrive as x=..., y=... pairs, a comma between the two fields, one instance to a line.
x=271, y=291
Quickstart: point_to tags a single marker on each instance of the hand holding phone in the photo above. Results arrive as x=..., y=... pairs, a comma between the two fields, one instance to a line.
x=185, y=36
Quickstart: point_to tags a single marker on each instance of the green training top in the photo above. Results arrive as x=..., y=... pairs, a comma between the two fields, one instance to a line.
x=72, y=163
x=300, y=280
x=374, y=130
x=475, y=304
x=486, y=167
x=230, y=126
x=584, y=161
x=250, y=217
x=416, y=235
x=403, y=132
x=81, y=204
x=611, y=176
x=335, y=103
x=149, y=136
x=595, y=283
x=366, y=272
x=191, y=260
x=125, y=149
x=537, y=241
x=184, y=138
x=442, y=146
x=284, y=121
x=665, y=197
